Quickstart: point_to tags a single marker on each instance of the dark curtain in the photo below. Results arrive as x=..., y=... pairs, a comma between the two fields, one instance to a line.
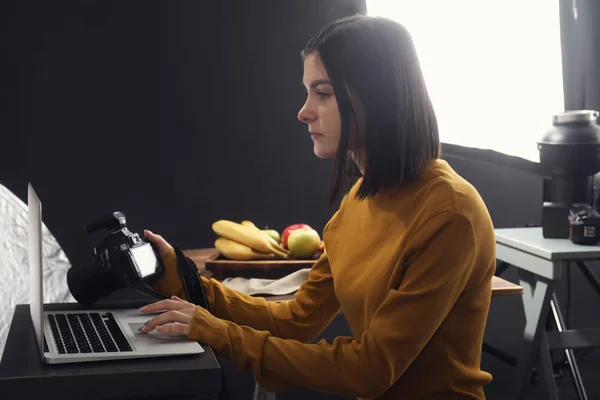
x=175, y=113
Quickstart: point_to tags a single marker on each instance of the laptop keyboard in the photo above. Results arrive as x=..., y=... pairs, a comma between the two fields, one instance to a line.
x=87, y=333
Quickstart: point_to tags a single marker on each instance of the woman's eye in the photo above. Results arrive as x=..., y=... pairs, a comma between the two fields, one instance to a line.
x=323, y=95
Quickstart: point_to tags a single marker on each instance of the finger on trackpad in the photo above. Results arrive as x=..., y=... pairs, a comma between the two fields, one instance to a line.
x=135, y=326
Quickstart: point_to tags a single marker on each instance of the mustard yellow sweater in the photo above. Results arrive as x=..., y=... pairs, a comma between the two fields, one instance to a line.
x=411, y=270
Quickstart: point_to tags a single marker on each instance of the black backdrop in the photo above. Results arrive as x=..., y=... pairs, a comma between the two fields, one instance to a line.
x=180, y=113
x=177, y=113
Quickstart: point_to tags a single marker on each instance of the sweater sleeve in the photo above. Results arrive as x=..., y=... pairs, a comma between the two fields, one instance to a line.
x=303, y=318
x=368, y=365
x=314, y=306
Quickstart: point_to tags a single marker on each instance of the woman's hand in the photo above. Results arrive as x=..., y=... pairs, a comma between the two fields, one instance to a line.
x=176, y=319
x=158, y=241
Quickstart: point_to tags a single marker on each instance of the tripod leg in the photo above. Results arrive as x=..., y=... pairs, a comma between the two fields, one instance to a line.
x=560, y=326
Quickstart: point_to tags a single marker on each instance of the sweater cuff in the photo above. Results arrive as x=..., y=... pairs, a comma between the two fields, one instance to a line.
x=206, y=328
x=209, y=291
x=170, y=282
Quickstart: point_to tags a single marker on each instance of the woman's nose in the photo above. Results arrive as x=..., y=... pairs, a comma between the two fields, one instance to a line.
x=305, y=114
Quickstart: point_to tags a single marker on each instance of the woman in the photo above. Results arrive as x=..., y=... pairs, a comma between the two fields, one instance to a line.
x=409, y=254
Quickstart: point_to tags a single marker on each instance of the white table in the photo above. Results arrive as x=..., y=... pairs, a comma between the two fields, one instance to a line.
x=541, y=263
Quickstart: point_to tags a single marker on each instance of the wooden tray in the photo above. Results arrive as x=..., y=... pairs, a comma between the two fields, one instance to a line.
x=266, y=269
x=209, y=260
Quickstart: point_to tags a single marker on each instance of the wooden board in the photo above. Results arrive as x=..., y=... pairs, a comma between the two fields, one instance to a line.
x=500, y=287
x=208, y=263
x=222, y=268
x=200, y=256
x=212, y=265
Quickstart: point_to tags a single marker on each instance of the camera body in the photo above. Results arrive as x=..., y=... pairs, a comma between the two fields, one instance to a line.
x=584, y=225
x=123, y=259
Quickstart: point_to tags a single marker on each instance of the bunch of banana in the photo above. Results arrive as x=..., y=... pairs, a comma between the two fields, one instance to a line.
x=244, y=242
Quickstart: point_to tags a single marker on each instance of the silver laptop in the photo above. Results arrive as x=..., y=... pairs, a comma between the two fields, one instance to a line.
x=89, y=335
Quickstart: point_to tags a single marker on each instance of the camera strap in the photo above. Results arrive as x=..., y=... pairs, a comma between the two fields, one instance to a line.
x=190, y=279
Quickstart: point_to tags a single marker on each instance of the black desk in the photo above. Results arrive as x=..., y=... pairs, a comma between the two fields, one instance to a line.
x=24, y=376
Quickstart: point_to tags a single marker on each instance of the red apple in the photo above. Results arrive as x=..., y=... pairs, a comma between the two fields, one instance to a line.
x=286, y=233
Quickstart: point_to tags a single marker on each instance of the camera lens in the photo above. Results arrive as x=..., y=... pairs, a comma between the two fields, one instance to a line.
x=88, y=283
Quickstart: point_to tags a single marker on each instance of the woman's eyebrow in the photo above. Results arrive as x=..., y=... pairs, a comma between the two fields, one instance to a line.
x=318, y=82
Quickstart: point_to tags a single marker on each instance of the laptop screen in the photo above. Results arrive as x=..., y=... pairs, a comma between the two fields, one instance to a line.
x=36, y=288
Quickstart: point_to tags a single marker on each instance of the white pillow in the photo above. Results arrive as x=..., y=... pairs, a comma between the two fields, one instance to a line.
x=14, y=267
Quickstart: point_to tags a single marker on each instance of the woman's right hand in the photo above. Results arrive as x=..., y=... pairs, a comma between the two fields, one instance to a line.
x=161, y=244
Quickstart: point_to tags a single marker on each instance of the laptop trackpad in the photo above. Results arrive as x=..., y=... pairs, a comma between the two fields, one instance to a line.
x=154, y=334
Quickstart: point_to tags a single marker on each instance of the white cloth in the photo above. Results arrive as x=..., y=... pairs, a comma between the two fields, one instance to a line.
x=276, y=287
x=14, y=266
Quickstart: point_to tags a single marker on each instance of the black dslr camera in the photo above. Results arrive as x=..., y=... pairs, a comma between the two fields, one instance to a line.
x=584, y=225
x=123, y=259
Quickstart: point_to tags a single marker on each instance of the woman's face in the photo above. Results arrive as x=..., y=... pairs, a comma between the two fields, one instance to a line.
x=320, y=111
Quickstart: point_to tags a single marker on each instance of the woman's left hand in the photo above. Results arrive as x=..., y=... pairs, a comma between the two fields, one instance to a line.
x=176, y=319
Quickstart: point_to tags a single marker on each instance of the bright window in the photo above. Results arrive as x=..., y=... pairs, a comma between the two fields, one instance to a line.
x=493, y=68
